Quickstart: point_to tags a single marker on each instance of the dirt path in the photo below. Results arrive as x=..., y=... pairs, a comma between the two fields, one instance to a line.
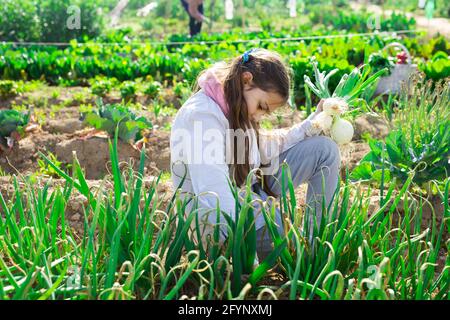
x=436, y=25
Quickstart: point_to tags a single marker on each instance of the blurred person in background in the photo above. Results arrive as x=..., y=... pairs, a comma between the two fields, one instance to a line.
x=195, y=10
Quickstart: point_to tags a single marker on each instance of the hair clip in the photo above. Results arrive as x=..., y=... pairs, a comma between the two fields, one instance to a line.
x=246, y=55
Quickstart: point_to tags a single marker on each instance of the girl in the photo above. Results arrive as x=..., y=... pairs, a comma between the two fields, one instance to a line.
x=215, y=137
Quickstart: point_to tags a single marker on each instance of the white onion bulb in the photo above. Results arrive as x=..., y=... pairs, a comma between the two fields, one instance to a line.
x=334, y=106
x=342, y=131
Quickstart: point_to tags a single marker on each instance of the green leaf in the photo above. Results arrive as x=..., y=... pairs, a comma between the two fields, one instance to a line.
x=377, y=176
x=362, y=172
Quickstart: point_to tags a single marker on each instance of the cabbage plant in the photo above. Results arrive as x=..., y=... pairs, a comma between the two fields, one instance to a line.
x=108, y=117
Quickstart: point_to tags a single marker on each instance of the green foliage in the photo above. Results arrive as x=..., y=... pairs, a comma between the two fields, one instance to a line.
x=9, y=88
x=267, y=25
x=128, y=91
x=355, y=56
x=378, y=61
x=192, y=69
x=77, y=64
x=108, y=117
x=129, y=250
x=350, y=87
x=11, y=121
x=182, y=90
x=47, y=20
x=54, y=16
x=55, y=94
x=442, y=7
x=148, y=24
x=419, y=141
x=440, y=44
x=359, y=21
x=438, y=67
x=81, y=96
x=101, y=86
x=129, y=61
x=48, y=170
x=153, y=89
x=397, y=21
x=19, y=20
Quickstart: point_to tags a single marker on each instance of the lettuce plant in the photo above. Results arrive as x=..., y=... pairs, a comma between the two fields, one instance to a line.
x=100, y=86
x=128, y=90
x=153, y=89
x=8, y=88
x=438, y=67
x=107, y=117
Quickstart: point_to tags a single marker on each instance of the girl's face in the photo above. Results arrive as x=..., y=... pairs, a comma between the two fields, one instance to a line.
x=261, y=102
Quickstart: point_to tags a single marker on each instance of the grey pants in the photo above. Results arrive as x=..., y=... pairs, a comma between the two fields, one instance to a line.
x=315, y=160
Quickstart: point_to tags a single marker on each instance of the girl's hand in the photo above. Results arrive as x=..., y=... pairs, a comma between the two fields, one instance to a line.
x=322, y=122
x=205, y=19
x=319, y=109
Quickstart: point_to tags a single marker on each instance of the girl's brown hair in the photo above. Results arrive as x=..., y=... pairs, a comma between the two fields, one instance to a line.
x=270, y=74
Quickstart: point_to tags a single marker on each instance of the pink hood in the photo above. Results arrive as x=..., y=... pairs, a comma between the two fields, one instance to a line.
x=213, y=89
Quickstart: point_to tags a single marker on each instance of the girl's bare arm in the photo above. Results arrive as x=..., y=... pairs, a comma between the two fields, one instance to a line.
x=193, y=9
